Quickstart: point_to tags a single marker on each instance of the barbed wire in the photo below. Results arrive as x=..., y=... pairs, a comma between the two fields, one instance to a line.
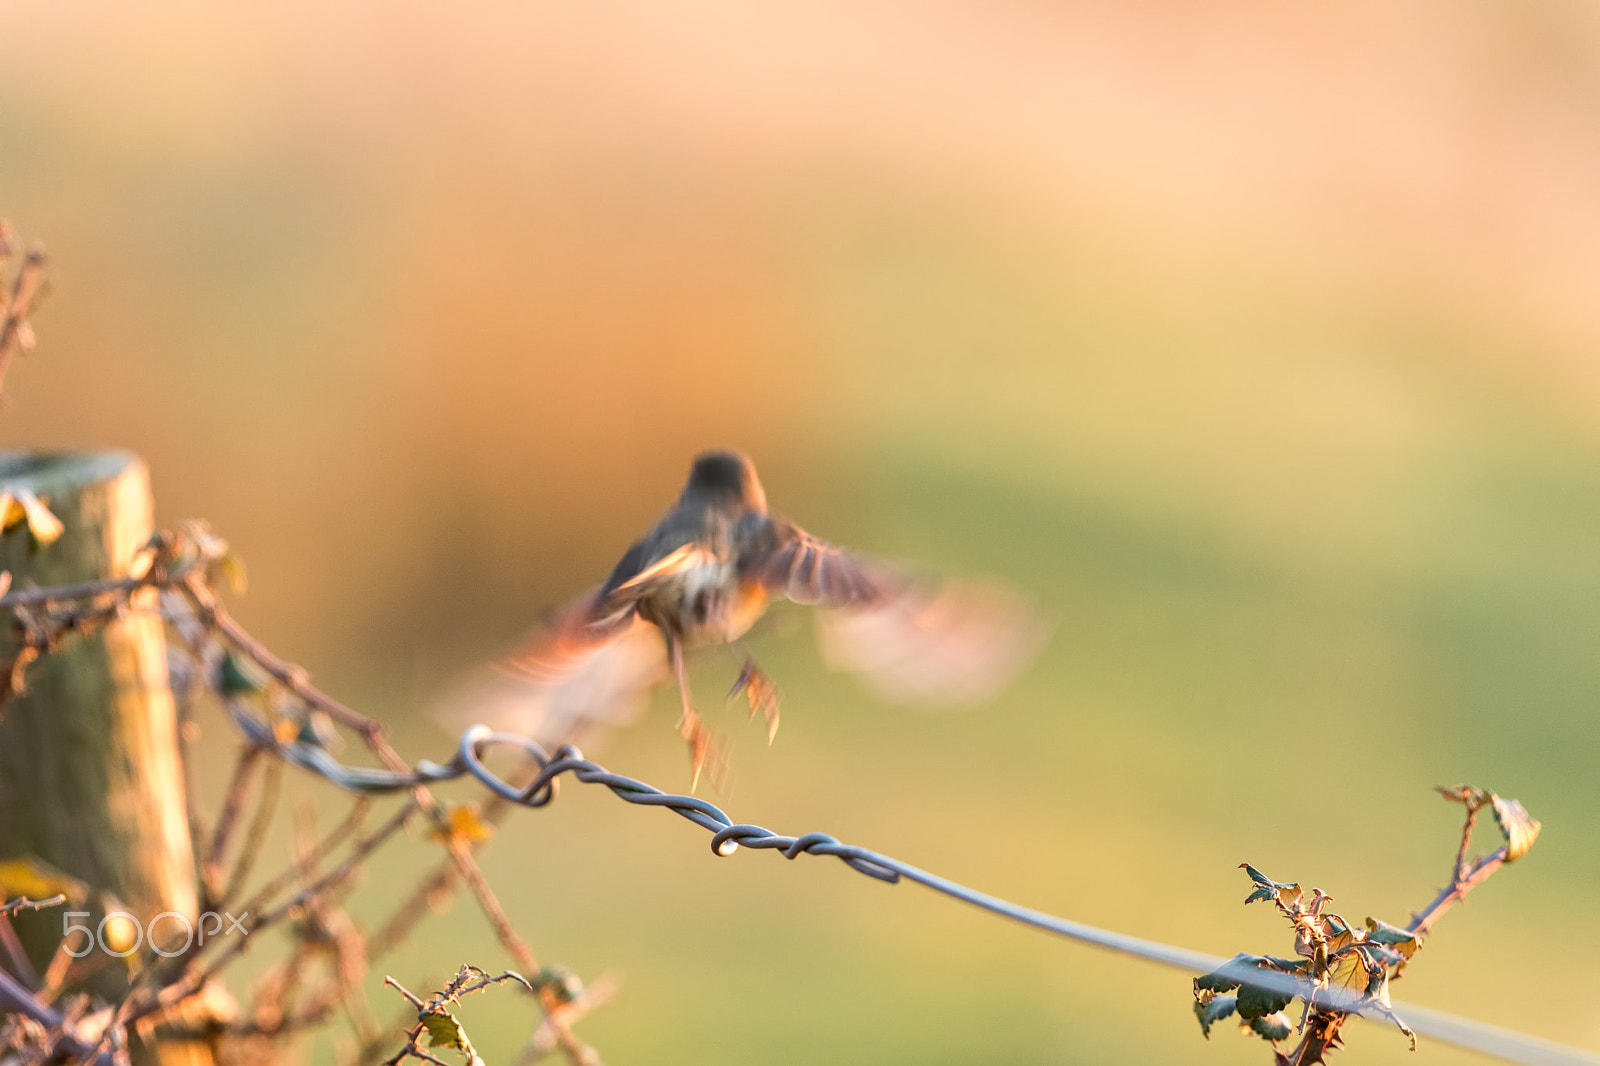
x=727, y=836
x=262, y=733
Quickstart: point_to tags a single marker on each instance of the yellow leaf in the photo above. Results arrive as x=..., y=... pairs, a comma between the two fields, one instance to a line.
x=38, y=880
x=1521, y=829
x=44, y=526
x=444, y=1030
x=11, y=512
x=233, y=570
x=465, y=826
x=1349, y=973
x=1338, y=932
x=1401, y=940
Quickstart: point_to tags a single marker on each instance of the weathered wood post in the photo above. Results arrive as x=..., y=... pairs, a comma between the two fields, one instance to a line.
x=90, y=778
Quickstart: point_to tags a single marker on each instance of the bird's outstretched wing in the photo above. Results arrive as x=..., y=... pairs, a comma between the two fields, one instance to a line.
x=934, y=645
x=912, y=639
x=787, y=561
x=589, y=667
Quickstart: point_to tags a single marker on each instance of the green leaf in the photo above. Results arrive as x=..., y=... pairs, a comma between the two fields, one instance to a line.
x=1256, y=1002
x=1255, y=875
x=563, y=984
x=1252, y=1000
x=1212, y=1011
x=1285, y=893
x=317, y=730
x=236, y=679
x=1379, y=954
x=1402, y=940
x=1520, y=828
x=444, y=1030
x=1273, y=1027
x=1226, y=978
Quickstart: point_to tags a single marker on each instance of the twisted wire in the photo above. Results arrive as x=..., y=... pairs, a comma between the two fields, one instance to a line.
x=727, y=836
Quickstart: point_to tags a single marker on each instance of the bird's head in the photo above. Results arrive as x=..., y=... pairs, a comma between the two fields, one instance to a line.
x=725, y=477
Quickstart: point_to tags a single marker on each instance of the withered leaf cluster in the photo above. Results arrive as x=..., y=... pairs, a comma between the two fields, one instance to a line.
x=1340, y=970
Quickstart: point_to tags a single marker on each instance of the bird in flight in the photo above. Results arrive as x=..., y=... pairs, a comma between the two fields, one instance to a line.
x=702, y=575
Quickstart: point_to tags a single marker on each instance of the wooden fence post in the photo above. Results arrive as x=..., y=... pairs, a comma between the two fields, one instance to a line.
x=90, y=774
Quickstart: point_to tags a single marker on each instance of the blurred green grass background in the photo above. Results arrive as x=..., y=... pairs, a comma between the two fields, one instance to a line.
x=1258, y=345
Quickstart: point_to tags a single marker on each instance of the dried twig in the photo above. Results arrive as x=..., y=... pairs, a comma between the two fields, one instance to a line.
x=233, y=801
x=349, y=824
x=590, y=997
x=1343, y=970
x=180, y=562
x=20, y=964
x=266, y=807
x=435, y=1018
x=21, y=298
x=197, y=976
x=1520, y=831
x=297, y=681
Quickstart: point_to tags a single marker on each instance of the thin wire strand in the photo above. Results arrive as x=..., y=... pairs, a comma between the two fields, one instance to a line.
x=728, y=836
x=1476, y=1036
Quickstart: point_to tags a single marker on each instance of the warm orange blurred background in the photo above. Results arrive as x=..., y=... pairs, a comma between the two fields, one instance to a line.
x=1258, y=341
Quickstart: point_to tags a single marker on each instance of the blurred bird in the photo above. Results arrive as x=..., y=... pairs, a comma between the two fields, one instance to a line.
x=703, y=575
